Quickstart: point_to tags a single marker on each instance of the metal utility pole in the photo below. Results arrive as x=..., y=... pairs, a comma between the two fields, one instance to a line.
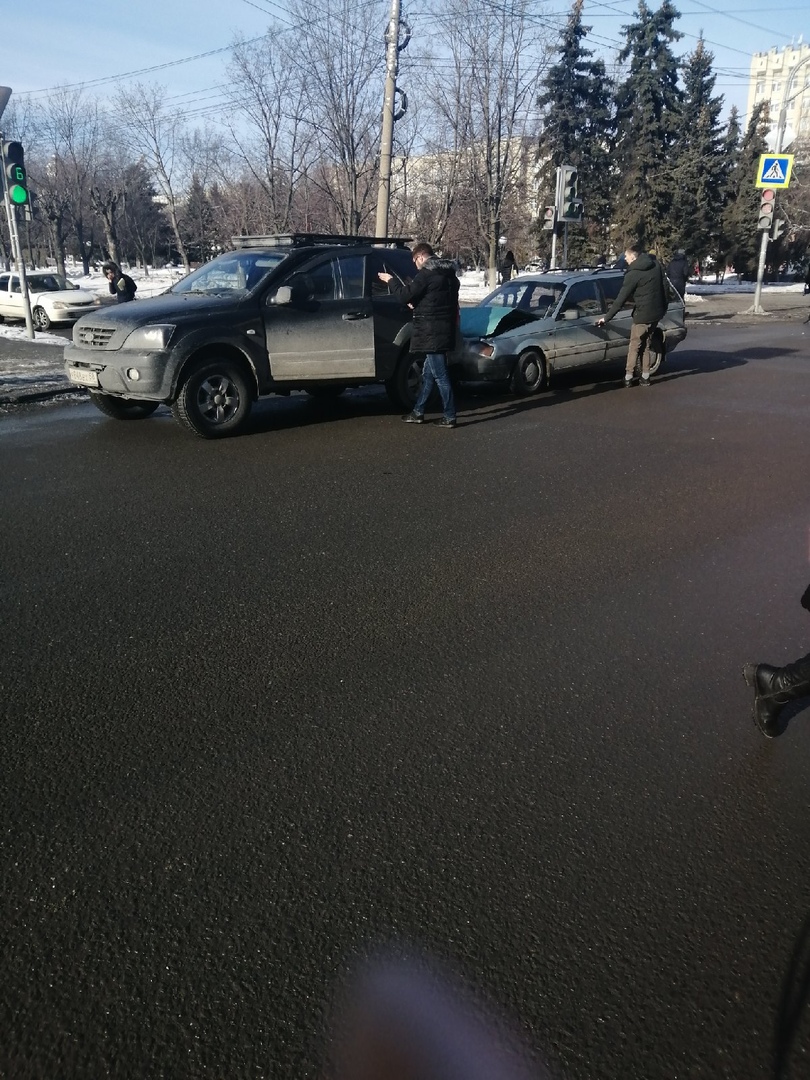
x=392, y=50
x=11, y=215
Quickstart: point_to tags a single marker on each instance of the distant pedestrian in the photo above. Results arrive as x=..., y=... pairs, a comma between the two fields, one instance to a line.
x=122, y=286
x=645, y=285
x=775, y=687
x=433, y=296
x=509, y=266
x=807, y=280
x=678, y=272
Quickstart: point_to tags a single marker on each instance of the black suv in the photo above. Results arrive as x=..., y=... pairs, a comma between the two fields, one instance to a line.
x=279, y=313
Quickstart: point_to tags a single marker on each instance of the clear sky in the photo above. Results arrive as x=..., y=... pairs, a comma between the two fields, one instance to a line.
x=55, y=42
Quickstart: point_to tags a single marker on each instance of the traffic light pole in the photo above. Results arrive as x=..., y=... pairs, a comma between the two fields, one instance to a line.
x=757, y=308
x=16, y=250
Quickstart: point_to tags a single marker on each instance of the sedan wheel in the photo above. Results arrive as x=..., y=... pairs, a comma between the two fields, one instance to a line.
x=658, y=349
x=529, y=375
x=40, y=318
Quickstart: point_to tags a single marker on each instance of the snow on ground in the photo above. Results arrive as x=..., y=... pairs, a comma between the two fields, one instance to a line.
x=23, y=375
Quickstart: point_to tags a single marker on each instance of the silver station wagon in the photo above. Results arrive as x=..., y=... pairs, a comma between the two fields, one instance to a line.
x=539, y=323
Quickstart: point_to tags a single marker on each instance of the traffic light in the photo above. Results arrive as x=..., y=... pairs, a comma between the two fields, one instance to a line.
x=778, y=228
x=14, y=168
x=571, y=208
x=766, y=208
x=549, y=218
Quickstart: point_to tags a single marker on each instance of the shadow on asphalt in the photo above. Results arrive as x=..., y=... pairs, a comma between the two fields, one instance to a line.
x=480, y=403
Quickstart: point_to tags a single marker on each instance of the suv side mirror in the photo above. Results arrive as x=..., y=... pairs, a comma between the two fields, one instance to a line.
x=282, y=295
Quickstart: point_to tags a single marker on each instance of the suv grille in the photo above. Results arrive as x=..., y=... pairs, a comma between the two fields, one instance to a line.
x=97, y=337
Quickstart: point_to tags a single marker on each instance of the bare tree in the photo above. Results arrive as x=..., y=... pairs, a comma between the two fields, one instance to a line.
x=271, y=139
x=108, y=186
x=157, y=135
x=488, y=100
x=343, y=46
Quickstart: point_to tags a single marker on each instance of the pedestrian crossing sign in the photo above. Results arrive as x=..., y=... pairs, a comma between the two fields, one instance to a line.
x=774, y=170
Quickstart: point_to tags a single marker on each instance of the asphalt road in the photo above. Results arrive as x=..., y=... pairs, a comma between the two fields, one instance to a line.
x=271, y=701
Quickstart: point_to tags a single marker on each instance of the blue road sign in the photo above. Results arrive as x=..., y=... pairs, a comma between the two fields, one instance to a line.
x=774, y=170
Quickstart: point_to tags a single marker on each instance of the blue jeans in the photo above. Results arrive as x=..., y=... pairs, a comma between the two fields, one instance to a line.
x=435, y=372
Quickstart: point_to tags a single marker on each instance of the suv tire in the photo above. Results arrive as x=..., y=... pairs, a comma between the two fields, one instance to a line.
x=120, y=409
x=214, y=401
x=404, y=385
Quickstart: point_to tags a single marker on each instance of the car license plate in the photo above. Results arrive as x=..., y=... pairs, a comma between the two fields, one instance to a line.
x=83, y=376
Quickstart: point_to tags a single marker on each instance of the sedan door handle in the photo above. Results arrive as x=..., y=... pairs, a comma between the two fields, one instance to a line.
x=351, y=316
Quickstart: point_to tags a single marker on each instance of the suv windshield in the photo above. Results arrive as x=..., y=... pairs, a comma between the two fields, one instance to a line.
x=234, y=272
x=538, y=298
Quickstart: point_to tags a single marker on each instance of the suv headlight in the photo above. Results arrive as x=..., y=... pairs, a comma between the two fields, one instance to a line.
x=149, y=337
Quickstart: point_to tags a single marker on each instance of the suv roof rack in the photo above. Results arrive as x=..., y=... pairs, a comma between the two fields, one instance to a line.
x=314, y=239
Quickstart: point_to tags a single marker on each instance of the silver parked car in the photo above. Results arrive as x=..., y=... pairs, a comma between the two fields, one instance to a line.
x=539, y=323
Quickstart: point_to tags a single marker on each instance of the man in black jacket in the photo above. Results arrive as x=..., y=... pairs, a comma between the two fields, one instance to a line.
x=433, y=295
x=678, y=272
x=644, y=283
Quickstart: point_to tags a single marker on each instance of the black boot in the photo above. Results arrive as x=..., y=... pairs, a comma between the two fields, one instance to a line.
x=774, y=688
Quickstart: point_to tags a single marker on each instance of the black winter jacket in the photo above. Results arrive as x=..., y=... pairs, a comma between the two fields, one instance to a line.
x=433, y=293
x=645, y=284
x=678, y=273
x=123, y=288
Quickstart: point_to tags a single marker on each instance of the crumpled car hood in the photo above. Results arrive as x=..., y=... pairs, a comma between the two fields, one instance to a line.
x=478, y=322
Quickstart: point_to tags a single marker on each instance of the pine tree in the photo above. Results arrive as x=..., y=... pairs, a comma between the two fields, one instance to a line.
x=740, y=217
x=578, y=130
x=648, y=119
x=730, y=153
x=699, y=161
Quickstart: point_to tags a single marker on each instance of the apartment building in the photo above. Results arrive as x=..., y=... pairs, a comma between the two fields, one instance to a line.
x=782, y=77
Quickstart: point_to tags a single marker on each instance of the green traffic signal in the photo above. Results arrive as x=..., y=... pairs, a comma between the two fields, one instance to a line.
x=16, y=178
x=17, y=191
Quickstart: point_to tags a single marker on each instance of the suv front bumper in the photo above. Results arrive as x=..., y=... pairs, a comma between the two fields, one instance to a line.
x=124, y=373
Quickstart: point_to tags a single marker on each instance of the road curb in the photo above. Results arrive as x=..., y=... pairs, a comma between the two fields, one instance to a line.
x=42, y=395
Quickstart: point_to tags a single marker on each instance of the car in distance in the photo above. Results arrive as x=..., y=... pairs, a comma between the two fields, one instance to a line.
x=301, y=311
x=53, y=298
x=539, y=323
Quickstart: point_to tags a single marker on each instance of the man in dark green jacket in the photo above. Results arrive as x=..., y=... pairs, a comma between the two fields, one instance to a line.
x=644, y=283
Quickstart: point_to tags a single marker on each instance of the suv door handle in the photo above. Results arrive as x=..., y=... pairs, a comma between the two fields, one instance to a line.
x=350, y=316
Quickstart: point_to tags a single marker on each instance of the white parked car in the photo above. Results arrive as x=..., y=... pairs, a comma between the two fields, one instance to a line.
x=54, y=299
